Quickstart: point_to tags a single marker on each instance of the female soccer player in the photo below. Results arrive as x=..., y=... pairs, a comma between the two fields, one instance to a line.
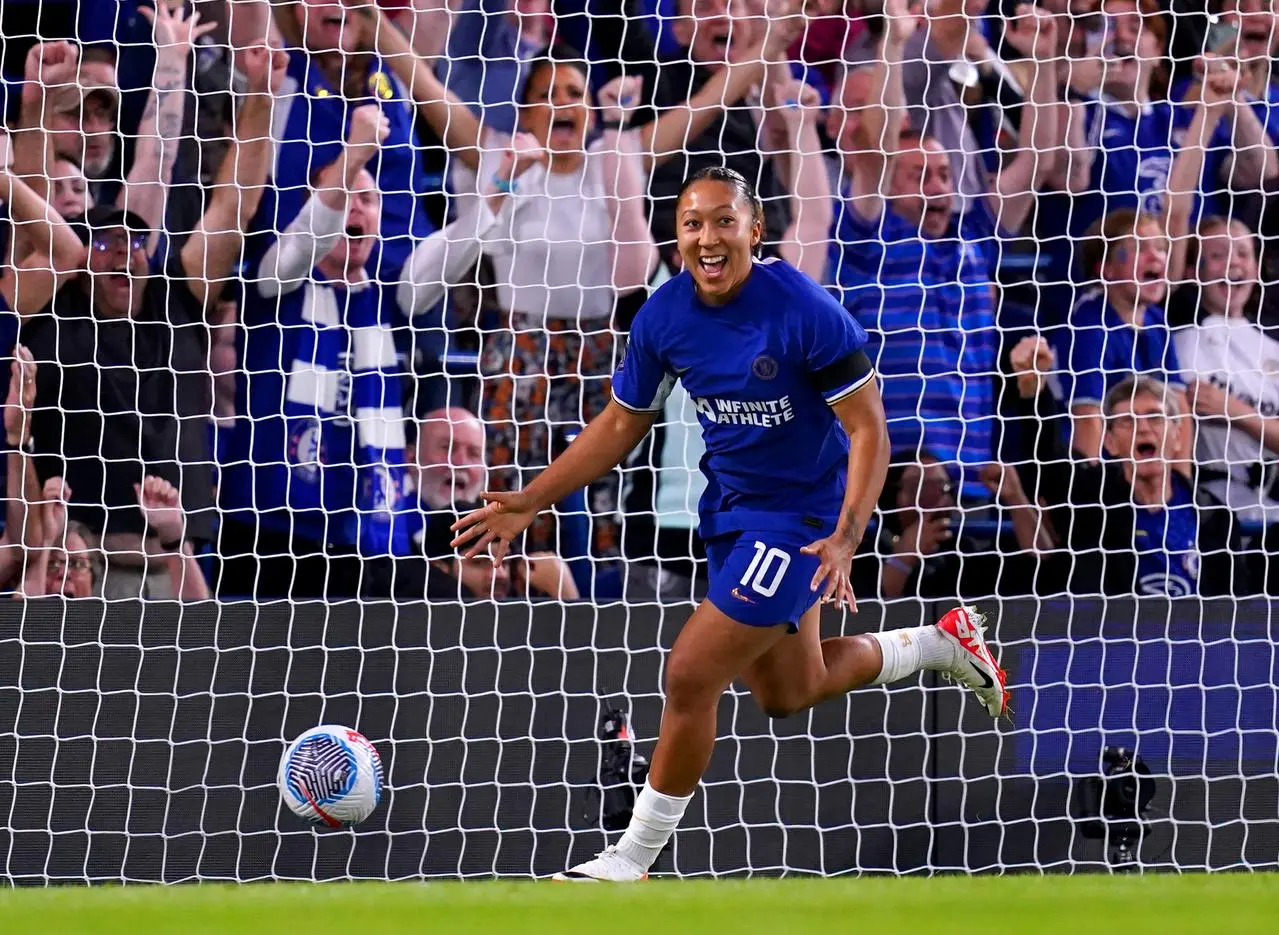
x=796, y=454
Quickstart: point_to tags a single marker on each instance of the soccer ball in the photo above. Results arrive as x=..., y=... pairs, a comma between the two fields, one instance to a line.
x=331, y=775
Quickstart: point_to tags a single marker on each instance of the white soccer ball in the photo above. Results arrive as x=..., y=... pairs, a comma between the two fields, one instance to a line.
x=331, y=775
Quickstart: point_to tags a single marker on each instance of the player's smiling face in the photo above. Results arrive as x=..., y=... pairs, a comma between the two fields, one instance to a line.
x=717, y=233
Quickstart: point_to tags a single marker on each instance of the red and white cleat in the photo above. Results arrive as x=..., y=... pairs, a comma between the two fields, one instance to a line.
x=975, y=665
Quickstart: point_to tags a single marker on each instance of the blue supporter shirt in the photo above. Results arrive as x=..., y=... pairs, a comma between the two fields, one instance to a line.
x=763, y=371
x=1132, y=160
x=311, y=122
x=1166, y=542
x=1133, y=156
x=1097, y=349
x=929, y=308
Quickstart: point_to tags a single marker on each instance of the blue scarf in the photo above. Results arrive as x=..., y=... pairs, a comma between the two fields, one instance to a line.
x=344, y=395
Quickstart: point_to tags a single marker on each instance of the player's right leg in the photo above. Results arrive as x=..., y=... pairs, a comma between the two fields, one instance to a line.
x=805, y=670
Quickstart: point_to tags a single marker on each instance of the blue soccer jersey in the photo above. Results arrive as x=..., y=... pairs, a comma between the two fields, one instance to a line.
x=1166, y=542
x=1132, y=155
x=763, y=371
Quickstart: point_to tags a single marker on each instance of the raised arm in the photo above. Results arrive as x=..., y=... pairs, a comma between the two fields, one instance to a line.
x=23, y=525
x=316, y=229
x=812, y=202
x=609, y=438
x=162, y=512
x=1216, y=94
x=430, y=24
x=1033, y=33
x=1254, y=160
x=447, y=116
x=146, y=190
x=634, y=254
x=53, y=499
x=211, y=250
x=668, y=135
x=248, y=24
x=49, y=88
x=1087, y=430
x=879, y=126
x=29, y=284
x=443, y=258
x=948, y=25
x=1076, y=167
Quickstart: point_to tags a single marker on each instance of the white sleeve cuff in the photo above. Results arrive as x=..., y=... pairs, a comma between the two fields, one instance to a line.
x=311, y=235
x=444, y=257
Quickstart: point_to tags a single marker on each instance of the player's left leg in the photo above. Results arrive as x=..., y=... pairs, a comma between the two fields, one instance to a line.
x=711, y=651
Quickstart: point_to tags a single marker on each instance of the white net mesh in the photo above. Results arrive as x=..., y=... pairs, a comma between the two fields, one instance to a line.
x=287, y=286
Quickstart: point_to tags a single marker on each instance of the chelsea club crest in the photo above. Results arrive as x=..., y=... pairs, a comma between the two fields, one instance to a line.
x=764, y=367
x=306, y=453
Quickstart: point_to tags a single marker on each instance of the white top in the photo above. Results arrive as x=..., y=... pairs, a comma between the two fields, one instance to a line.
x=1235, y=354
x=551, y=245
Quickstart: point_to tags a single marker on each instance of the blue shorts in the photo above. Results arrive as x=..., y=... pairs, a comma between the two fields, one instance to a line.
x=760, y=577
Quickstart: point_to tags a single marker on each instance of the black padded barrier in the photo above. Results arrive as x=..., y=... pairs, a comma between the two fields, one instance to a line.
x=140, y=743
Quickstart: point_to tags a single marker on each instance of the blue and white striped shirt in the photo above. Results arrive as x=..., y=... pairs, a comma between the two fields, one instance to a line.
x=293, y=461
x=928, y=306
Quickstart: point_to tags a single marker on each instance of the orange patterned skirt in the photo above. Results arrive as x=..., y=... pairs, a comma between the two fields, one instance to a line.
x=542, y=382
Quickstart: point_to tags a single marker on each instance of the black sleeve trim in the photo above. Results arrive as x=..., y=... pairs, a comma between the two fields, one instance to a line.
x=845, y=372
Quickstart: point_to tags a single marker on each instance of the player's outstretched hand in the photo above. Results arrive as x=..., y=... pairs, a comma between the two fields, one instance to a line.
x=503, y=517
x=836, y=555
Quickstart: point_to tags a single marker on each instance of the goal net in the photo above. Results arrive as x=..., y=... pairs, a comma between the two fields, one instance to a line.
x=285, y=287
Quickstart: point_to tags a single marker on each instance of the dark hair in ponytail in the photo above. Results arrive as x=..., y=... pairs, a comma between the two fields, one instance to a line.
x=734, y=180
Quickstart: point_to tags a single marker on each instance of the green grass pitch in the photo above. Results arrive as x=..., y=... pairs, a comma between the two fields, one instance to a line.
x=1234, y=904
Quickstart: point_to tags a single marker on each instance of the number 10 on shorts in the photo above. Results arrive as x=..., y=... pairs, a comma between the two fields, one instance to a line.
x=766, y=561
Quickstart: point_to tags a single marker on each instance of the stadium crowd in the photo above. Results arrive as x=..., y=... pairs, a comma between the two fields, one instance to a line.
x=287, y=285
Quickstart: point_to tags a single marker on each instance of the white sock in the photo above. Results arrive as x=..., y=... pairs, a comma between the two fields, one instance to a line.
x=654, y=820
x=908, y=650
